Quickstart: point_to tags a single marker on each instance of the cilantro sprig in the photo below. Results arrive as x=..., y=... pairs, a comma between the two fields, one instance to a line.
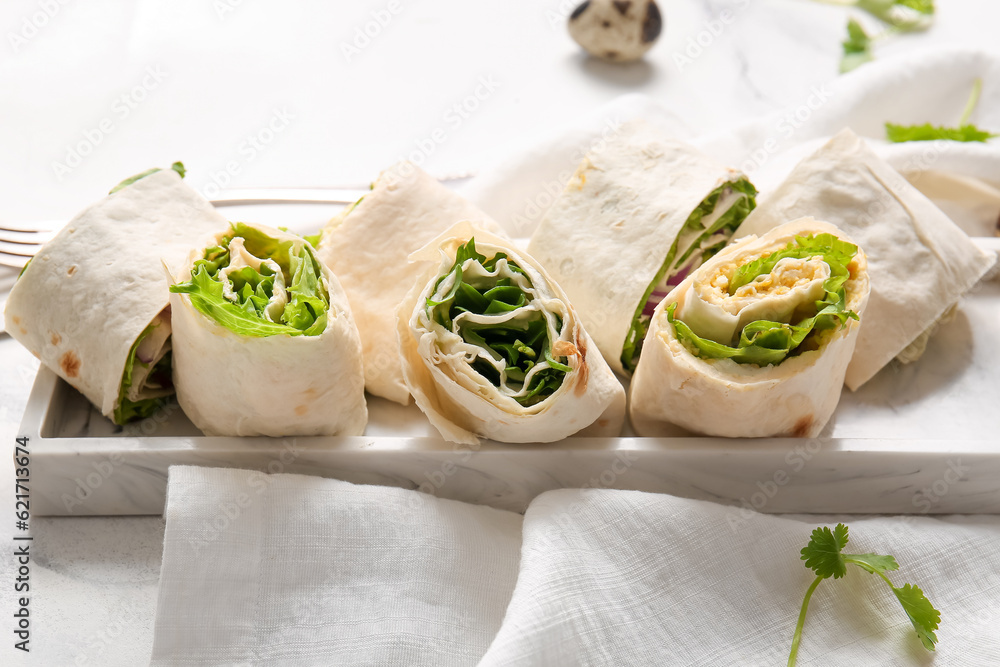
x=824, y=556
x=964, y=132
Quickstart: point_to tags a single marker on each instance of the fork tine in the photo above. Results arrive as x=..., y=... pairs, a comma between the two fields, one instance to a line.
x=36, y=226
x=17, y=247
x=25, y=238
x=14, y=261
x=24, y=249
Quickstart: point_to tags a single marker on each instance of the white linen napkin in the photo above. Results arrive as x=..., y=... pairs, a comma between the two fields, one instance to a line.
x=294, y=570
x=931, y=86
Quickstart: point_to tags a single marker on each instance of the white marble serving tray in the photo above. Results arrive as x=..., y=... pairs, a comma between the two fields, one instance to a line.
x=920, y=438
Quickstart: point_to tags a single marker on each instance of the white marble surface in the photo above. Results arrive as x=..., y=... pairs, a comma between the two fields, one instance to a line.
x=224, y=74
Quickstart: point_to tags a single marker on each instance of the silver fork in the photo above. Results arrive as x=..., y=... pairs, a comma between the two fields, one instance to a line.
x=19, y=243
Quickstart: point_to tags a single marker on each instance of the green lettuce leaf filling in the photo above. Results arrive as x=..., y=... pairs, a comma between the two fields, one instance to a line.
x=520, y=344
x=176, y=166
x=128, y=410
x=764, y=342
x=251, y=307
x=701, y=243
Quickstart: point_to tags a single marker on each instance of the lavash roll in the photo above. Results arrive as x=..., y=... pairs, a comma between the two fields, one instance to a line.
x=440, y=365
x=920, y=262
x=641, y=211
x=367, y=246
x=679, y=383
x=93, y=303
x=260, y=375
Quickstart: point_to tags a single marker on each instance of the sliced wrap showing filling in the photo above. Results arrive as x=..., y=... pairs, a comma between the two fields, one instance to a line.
x=771, y=307
x=259, y=286
x=488, y=311
x=146, y=379
x=706, y=231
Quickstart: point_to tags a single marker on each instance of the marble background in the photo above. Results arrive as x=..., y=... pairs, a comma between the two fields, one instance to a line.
x=222, y=70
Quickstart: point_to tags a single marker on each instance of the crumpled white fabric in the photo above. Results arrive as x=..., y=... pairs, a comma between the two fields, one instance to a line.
x=295, y=570
x=930, y=86
x=311, y=571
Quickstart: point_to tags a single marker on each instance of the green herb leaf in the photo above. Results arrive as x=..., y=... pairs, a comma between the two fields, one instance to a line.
x=824, y=556
x=873, y=563
x=924, y=617
x=927, y=132
x=857, y=47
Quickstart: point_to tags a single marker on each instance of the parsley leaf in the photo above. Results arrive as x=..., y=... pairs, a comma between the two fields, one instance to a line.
x=923, y=615
x=873, y=563
x=927, y=132
x=964, y=132
x=824, y=556
x=857, y=47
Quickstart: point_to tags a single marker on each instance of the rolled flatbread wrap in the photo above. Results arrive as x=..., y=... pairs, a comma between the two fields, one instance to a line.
x=756, y=341
x=93, y=303
x=264, y=341
x=642, y=211
x=367, y=246
x=491, y=347
x=919, y=261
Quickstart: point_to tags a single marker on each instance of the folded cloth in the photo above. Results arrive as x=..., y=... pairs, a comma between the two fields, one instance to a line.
x=912, y=88
x=294, y=570
x=628, y=578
